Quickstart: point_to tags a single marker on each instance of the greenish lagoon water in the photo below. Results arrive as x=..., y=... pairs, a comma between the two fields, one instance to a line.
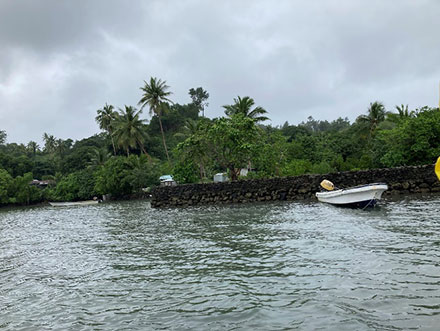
x=275, y=266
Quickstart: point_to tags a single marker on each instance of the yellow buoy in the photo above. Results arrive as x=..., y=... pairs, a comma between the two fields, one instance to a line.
x=328, y=185
x=437, y=168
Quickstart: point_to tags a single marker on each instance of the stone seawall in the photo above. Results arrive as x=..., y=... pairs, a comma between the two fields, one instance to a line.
x=402, y=180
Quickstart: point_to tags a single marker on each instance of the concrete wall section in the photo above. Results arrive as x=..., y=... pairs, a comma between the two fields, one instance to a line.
x=402, y=180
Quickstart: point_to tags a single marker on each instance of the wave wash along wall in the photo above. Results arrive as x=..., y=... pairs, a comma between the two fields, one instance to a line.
x=402, y=180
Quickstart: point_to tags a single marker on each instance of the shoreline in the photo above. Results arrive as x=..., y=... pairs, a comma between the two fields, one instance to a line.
x=386, y=198
x=402, y=181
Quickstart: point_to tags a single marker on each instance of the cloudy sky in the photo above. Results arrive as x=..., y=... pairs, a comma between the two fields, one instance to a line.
x=62, y=60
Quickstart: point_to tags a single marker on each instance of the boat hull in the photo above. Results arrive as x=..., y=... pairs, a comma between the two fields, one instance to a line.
x=355, y=197
x=359, y=204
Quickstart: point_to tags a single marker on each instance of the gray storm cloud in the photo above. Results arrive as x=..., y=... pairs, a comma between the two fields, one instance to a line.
x=62, y=60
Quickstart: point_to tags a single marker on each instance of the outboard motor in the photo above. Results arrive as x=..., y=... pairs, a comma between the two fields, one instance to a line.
x=327, y=185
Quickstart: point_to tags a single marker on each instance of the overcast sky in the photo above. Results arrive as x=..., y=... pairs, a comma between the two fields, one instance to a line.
x=61, y=60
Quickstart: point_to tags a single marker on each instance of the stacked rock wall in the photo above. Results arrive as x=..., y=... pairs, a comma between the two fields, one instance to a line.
x=402, y=180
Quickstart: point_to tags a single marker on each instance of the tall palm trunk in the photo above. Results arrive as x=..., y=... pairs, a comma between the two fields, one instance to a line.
x=143, y=150
x=163, y=139
x=114, y=147
x=113, y=141
x=155, y=96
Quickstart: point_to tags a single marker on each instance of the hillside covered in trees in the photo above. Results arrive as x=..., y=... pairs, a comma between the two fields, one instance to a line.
x=130, y=153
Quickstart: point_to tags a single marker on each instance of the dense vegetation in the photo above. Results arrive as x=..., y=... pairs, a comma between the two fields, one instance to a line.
x=130, y=154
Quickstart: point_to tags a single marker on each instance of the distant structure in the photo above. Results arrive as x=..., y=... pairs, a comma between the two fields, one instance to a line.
x=220, y=177
x=42, y=183
x=167, y=180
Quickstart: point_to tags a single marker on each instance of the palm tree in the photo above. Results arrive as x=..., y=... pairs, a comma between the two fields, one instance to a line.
x=376, y=114
x=33, y=147
x=404, y=112
x=105, y=119
x=49, y=143
x=60, y=147
x=189, y=128
x=154, y=96
x=129, y=130
x=244, y=106
x=99, y=157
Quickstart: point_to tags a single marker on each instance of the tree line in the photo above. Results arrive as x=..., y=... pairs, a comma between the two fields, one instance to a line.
x=130, y=153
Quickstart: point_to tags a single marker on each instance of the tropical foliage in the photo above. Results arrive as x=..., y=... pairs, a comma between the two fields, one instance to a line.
x=129, y=132
x=17, y=190
x=131, y=153
x=121, y=176
x=106, y=120
x=199, y=97
x=376, y=114
x=244, y=106
x=155, y=96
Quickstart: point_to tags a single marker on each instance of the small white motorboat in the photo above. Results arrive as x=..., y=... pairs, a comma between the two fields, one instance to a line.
x=74, y=203
x=356, y=197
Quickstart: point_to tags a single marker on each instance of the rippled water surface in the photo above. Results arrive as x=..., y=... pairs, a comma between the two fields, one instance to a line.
x=276, y=266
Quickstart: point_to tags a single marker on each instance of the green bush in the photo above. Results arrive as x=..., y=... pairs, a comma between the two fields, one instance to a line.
x=79, y=185
x=121, y=176
x=5, y=183
x=297, y=167
x=24, y=193
x=322, y=167
x=185, y=172
x=17, y=190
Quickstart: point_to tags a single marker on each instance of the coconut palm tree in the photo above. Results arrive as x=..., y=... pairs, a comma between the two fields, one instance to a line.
x=49, y=143
x=60, y=147
x=404, y=112
x=244, y=106
x=376, y=114
x=98, y=157
x=155, y=95
x=129, y=131
x=33, y=147
x=105, y=119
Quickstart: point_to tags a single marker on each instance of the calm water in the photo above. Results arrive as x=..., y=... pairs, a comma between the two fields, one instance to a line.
x=276, y=266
